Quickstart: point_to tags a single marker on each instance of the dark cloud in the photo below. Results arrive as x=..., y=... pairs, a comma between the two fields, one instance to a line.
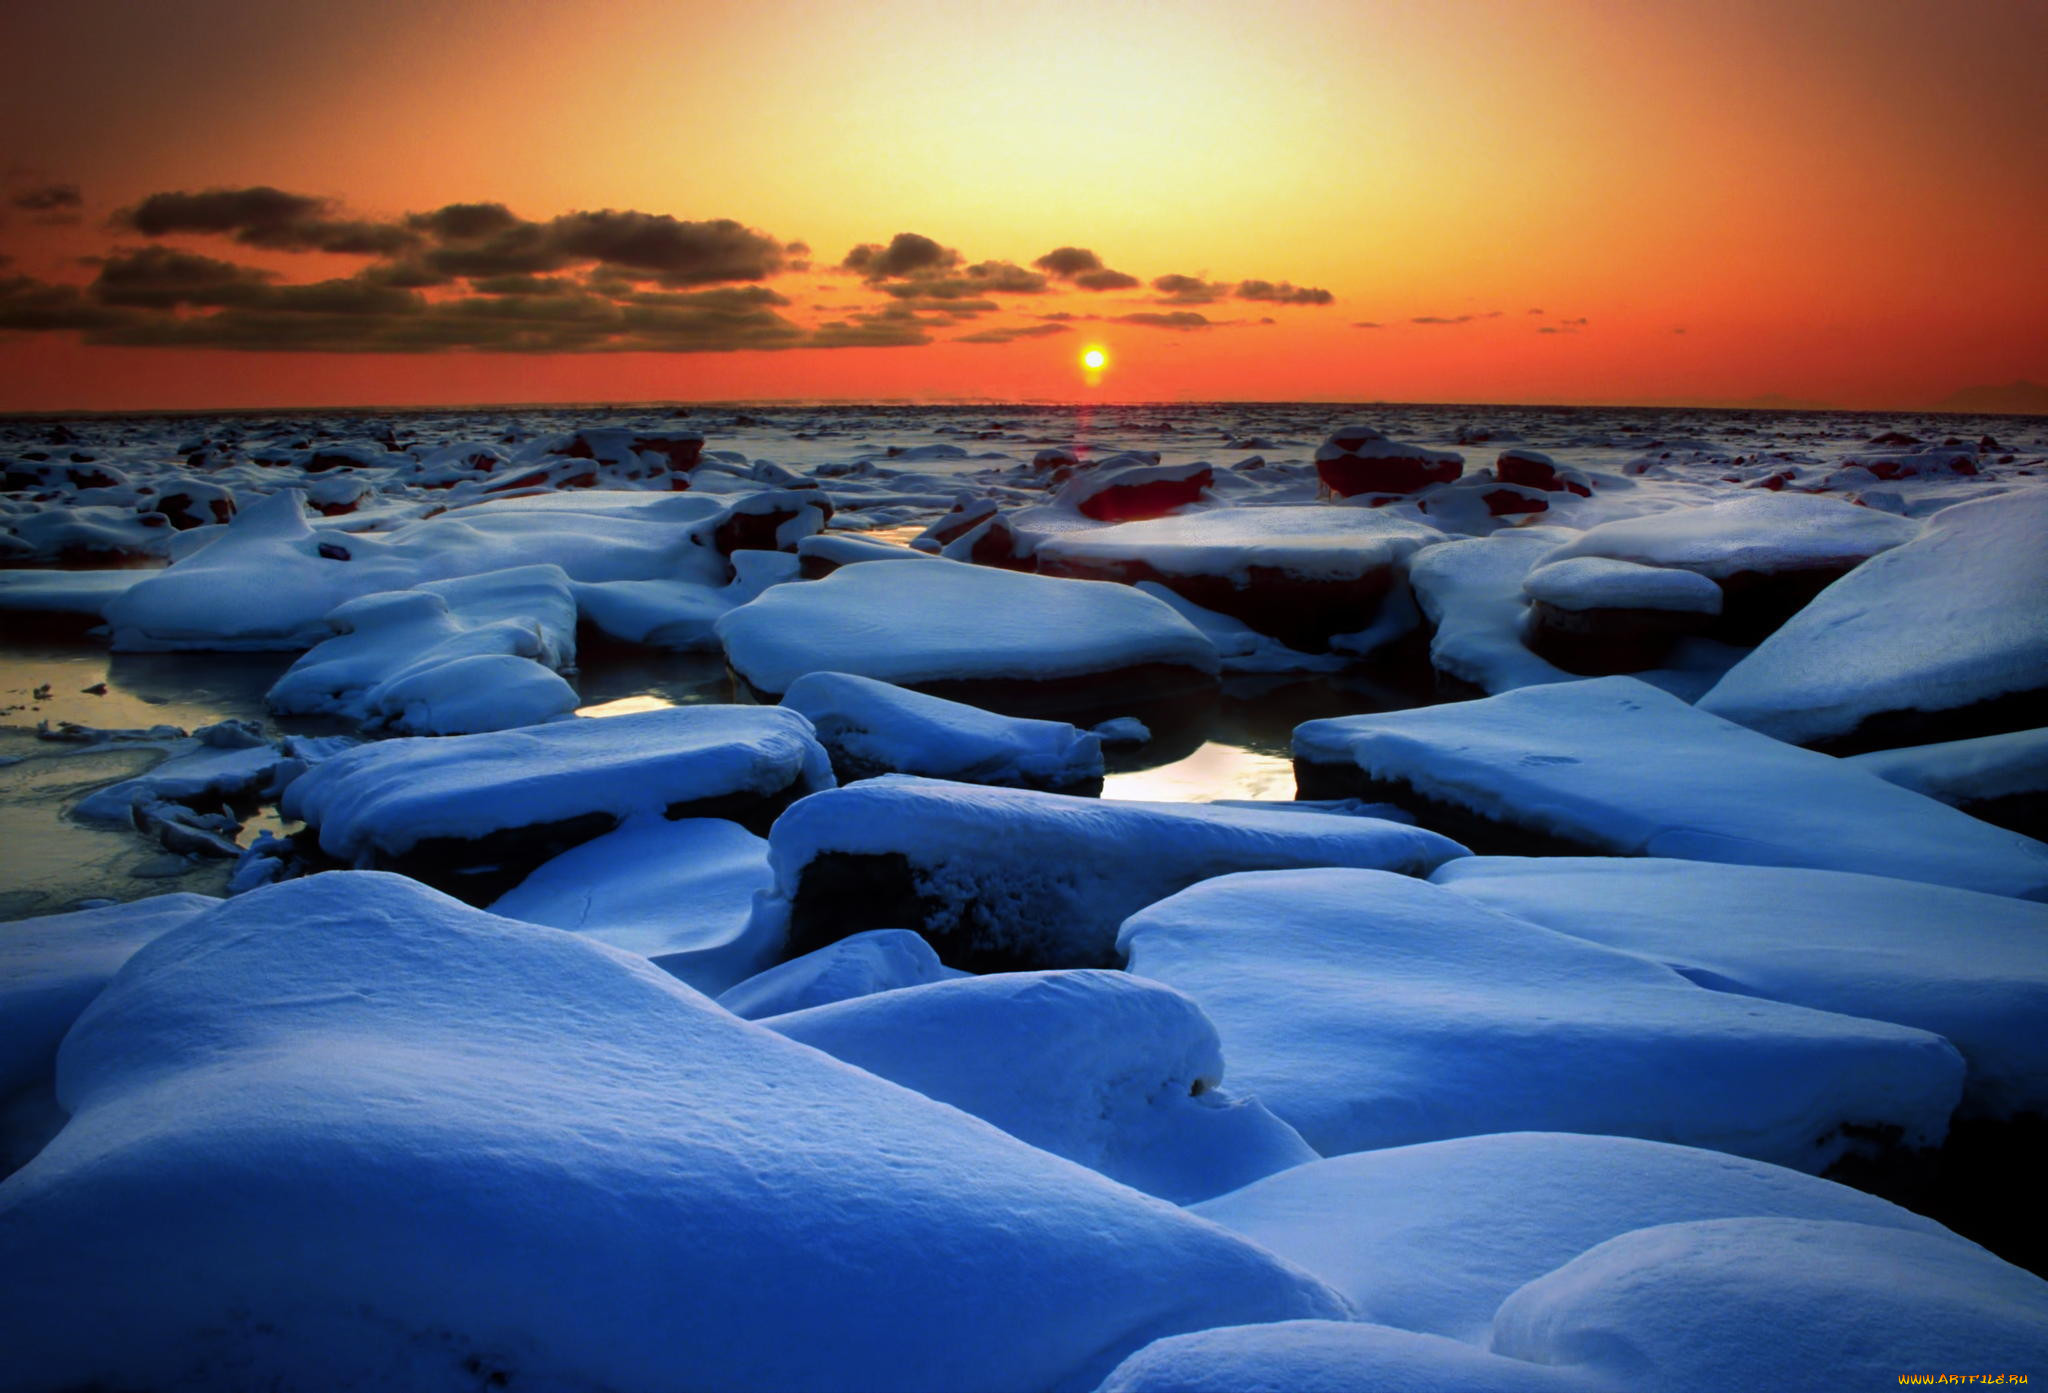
x=734, y=297
x=1175, y=319
x=525, y=285
x=867, y=332
x=1010, y=334
x=266, y=217
x=1188, y=290
x=1367, y=324
x=907, y=254
x=1084, y=268
x=970, y=283
x=52, y=204
x=666, y=249
x=1282, y=293
x=1454, y=319
x=1563, y=326
x=518, y=249
x=406, y=274
x=28, y=305
x=464, y=222
x=160, y=278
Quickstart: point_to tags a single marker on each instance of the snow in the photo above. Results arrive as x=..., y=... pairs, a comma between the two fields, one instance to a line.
x=1762, y=531
x=1948, y=620
x=346, y=1133
x=1599, y=582
x=1043, y=879
x=1778, y=1303
x=912, y=624
x=1471, y=592
x=217, y=763
x=450, y=658
x=1314, y=1356
x=680, y=615
x=1119, y=1074
x=382, y=799
x=1372, y=1010
x=1243, y=648
x=1613, y=765
x=1971, y=967
x=871, y=727
x=679, y=892
x=1960, y=772
x=879, y=960
x=81, y=593
x=1434, y=1237
x=52, y=967
x=1315, y=543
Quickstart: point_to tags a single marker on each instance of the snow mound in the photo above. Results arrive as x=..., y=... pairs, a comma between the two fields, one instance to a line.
x=1600, y=582
x=680, y=893
x=1963, y=772
x=52, y=967
x=1316, y=1356
x=915, y=625
x=1616, y=766
x=1763, y=532
x=1900, y=651
x=871, y=727
x=680, y=616
x=1778, y=1303
x=1233, y=544
x=449, y=658
x=1434, y=1237
x=1971, y=967
x=1012, y=877
x=879, y=960
x=379, y=802
x=524, y=1159
x=1109, y=1070
x=1471, y=591
x=1372, y=1010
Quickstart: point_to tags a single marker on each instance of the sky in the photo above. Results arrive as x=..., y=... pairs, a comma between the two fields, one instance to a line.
x=216, y=203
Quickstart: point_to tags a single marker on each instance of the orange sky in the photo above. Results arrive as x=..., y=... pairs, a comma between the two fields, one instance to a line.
x=1836, y=201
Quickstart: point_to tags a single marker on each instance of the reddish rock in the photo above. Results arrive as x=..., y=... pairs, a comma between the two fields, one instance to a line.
x=1359, y=460
x=1136, y=493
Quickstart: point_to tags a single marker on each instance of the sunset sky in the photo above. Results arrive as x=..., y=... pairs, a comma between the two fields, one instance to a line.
x=224, y=203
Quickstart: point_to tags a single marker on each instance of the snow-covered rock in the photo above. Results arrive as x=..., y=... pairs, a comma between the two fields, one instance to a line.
x=879, y=960
x=1320, y=1356
x=678, y=892
x=1135, y=491
x=1300, y=574
x=1778, y=1303
x=451, y=1151
x=1015, y=878
x=1597, y=615
x=680, y=615
x=1614, y=766
x=1470, y=591
x=479, y=811
x=1434, y=1237
x=1372, y=1010
x=948, y=628
x=1943, y=638
x=2000, y=779
x=1358, y=460
x=871, y=728
x=448, y=658
x=1971, y=967
x=1118, y=1073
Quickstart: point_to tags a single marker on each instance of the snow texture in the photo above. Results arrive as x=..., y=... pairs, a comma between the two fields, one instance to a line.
x=1434, y=1237
x=1614, y=765
x=879, y=960
x=1778, y=1303
x=1600, y=582
x=1971, y=967
x=346, y=1133
x=871, y=727
x=1316, y=543
x=1045, y=879
x=679, y=892
x=383, y=798
x=1112, y=1071
x=911, y=624
x=1471, y=591
x=1763, y=532
x=1372, y=1010
x=1959, y=772
x=1314, y=1356
x=1951, y=619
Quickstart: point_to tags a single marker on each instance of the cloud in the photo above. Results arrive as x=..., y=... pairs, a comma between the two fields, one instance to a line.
x=1563, y=326
x=53, y=204
x=1084, y=268
x=1176, y=319
x=1188, y=290
x=667, y=249
x=1012, y=333
x=28, y=305
x=1282, y=293
x=1454, y=319
x=161, y=278
x=520, y=283
x=464, y=221
x=970, y=283
x=1367, y=324
x=907, y=254
x=266, y=217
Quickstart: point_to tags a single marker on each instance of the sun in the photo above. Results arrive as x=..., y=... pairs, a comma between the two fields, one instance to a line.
x=1094, y=359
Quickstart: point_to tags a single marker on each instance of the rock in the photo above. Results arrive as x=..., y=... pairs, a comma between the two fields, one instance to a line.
x=1359, y=460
